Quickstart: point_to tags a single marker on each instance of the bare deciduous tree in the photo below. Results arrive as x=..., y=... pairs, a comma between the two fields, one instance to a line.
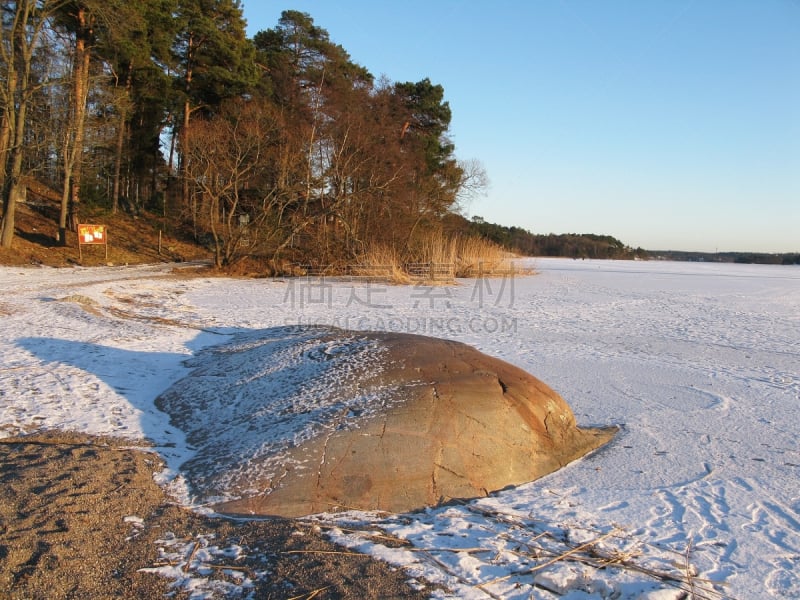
x=226, y=160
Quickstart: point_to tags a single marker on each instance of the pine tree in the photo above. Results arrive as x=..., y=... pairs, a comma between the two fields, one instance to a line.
x=215, y=62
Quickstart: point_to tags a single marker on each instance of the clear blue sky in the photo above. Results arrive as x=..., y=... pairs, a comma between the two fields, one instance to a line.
x=669, y=124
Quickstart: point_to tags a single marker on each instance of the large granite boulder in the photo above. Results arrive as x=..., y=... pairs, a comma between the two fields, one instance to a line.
x=295, y=421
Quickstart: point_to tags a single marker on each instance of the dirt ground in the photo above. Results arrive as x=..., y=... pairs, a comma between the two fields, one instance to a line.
x=131, y=240
x=64, y=500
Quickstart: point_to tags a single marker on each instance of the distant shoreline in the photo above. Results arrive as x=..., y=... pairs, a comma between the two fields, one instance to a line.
x=762, y=258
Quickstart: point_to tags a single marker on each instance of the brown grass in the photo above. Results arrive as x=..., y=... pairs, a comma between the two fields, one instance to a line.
x=435, y=247
x=381, y=262
x=476, y=257
x=470, y=256
x=437, y=257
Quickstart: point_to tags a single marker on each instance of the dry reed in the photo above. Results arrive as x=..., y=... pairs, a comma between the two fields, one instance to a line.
x=381, y=262
x=437, y=258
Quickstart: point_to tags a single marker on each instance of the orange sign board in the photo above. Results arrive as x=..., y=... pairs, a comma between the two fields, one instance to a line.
x=91, y=234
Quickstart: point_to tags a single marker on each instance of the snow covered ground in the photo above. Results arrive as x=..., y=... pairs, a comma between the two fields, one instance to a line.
x=699, y=364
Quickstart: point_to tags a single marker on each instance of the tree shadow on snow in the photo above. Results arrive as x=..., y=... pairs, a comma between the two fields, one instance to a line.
x=141, y=377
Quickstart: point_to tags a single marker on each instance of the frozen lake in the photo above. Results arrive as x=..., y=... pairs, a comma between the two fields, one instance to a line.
x=697, y=362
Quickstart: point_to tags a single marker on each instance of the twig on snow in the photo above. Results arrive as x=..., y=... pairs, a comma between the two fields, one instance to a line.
x=188, y=564
x=310, y=595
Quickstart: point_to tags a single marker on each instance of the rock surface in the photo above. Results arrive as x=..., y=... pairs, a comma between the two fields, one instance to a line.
x=397, y=422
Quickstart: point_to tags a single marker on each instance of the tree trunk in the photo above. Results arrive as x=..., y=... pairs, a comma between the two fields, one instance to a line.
x=187, y=113
x=120, y=142
x=7, y=166
x=70, y=202
x=184, y=174
x=62, y=217
x=5, y=137
x=12, y=182
x=17, y=79
x=82, y=59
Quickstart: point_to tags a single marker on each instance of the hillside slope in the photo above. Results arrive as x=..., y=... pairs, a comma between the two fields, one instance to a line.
x=131, y=240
